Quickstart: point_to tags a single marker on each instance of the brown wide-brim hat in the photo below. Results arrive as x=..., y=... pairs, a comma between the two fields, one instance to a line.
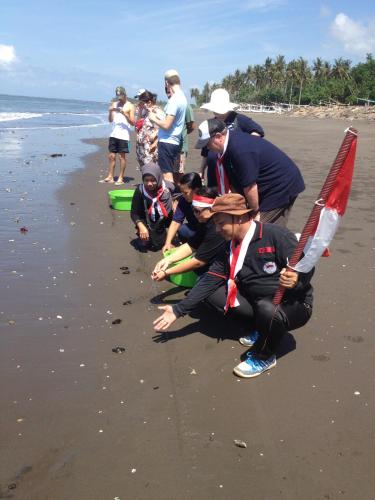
x=232, y=204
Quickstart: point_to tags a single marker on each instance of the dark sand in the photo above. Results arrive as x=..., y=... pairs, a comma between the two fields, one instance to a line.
x=79, y=422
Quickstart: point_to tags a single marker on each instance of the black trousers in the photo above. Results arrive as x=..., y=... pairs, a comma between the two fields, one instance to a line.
x=270, y=321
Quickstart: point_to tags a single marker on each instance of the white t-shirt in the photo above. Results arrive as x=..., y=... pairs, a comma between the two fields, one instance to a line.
x=176, y=106
x=121, y=126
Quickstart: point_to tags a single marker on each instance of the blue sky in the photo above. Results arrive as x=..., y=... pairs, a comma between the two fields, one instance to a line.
x=84, y=48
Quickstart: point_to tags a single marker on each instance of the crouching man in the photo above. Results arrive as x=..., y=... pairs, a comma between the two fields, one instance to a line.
x=243, y=279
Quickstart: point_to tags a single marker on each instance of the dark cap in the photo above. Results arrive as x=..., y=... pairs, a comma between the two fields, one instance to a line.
x=208, y=129
x=120, y=91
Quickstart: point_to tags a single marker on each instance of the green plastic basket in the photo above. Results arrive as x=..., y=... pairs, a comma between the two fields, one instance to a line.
x=121, y=199
x=188, y=279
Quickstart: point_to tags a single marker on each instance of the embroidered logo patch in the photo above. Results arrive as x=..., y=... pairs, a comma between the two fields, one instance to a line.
x=269, y=267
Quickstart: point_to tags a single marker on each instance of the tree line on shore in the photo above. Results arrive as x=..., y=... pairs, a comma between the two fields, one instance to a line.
x=297, y=82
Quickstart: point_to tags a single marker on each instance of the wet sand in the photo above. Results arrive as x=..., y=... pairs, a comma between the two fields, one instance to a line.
x=158, y=421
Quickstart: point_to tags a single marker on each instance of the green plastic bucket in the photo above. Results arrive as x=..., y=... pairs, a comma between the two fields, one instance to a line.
x=121, y=199
x=186, y=280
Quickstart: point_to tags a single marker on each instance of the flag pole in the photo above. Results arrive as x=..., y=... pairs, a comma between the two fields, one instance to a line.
x=350, y=136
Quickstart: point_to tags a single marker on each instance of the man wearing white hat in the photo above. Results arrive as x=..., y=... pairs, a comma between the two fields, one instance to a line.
x=224, y=110
x=170, y=128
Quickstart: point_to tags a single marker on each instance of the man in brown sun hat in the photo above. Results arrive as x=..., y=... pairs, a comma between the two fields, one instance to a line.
x=243, y=279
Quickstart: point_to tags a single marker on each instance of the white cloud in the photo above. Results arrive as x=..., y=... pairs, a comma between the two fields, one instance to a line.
x=354, y=36
x=7, y=55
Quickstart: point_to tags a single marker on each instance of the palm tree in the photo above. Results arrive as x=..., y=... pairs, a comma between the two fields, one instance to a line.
x=318, y=68
x=303, y=74
x=259, y=76
x=341, y=68
x=279, y=70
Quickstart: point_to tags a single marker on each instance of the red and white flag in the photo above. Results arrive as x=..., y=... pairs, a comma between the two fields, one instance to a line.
x=330, y=215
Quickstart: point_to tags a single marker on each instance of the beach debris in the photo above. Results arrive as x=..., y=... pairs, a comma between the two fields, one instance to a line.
x=127, y=303
x=72, y=203
x=109, y=312
x=72, y=223
x=118, y=349
x=57, y=155
x=133, y=471
x=116, y=321
x=59, y=316
x=126, y=272
x=124, y=268
x=240, y=443
x=156, y=387
x=357, y=393
x=193, y=372
x=23, y=230
x=11, y=322
x=12, y=486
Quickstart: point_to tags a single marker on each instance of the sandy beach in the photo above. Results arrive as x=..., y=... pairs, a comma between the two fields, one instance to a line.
x=158, y=422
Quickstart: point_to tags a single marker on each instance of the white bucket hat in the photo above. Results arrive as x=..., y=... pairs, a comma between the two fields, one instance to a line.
x=220, y=102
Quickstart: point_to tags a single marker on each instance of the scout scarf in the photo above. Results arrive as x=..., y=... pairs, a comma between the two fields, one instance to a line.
x=236, y=259
x=156, y=203
x=221, y=177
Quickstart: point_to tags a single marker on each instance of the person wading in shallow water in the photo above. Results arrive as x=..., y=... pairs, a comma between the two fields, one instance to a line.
x=121, y=114
x=242, y=281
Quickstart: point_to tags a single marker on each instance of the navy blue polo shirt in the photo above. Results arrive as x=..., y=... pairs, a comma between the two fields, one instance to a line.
x=184, y=211
x=249, y=159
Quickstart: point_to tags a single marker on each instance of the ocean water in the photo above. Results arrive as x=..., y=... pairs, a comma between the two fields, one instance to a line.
x=33, y=113
x=41, y=143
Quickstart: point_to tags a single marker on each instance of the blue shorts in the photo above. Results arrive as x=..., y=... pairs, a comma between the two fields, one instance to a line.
x=167, y=155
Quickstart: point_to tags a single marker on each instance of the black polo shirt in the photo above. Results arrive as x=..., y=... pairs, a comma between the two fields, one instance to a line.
x=249, y=159
x=206, y=242
x=269, y=251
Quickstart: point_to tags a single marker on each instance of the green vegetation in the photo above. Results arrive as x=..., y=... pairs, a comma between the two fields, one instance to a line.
x=297, y=82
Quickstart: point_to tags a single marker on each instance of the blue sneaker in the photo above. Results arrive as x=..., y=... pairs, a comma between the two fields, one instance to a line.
x=250, y=340
x=253, y=366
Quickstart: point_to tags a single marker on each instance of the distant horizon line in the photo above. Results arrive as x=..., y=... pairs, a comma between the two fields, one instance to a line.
x=54, y=98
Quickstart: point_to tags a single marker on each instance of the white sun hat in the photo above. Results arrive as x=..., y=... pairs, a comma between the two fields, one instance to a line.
x=220, y=102
x=170, y=73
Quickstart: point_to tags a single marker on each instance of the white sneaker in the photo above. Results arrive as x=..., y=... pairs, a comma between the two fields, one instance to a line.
x=250, y=340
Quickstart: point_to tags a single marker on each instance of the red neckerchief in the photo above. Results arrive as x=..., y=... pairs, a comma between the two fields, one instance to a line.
x=156, y=204
x=232, y=287
x=221, y=177
x=237, y=257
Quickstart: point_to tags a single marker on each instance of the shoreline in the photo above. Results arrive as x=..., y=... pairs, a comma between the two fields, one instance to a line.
x=169, y=408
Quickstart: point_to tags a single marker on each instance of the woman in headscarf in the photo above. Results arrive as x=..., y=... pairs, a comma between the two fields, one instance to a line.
x=151, y=209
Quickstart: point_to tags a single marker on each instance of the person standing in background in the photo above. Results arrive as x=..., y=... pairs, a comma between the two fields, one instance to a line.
x=170, y=128
x=147, y=131
x=121, y=114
